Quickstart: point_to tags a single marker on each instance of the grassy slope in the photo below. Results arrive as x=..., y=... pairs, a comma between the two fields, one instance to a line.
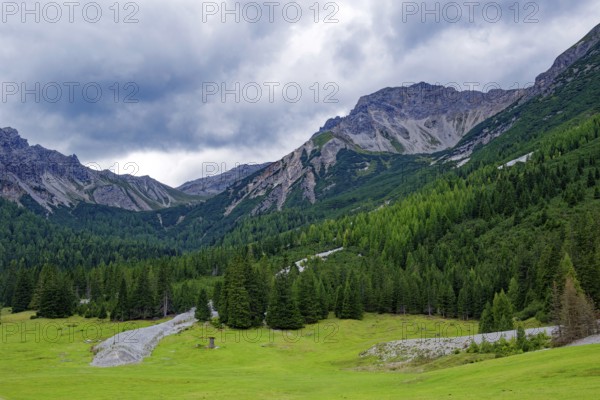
x=316, y=366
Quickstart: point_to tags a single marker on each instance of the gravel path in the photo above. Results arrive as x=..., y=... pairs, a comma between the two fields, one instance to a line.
x=408, y=350
x=131, y=347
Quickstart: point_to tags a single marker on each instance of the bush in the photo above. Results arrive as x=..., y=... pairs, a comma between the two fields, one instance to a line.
x=532, y=310
x=216, y=323
x=486, y=347
x=473, y=348
x=539, y=341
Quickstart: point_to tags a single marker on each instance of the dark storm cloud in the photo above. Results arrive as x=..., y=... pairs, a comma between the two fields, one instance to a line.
x=152, y=73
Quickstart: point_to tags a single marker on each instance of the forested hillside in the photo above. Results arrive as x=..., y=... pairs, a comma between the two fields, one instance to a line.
x=420, y=234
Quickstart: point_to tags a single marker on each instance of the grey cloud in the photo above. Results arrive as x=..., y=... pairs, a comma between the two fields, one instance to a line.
x=171, y=52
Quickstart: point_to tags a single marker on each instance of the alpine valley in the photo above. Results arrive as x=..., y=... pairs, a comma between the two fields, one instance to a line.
x=429, y=203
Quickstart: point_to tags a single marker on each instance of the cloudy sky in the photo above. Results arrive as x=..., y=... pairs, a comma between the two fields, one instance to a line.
x=178, y=87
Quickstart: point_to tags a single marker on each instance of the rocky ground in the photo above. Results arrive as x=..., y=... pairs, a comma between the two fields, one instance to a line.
x=131, y=347
x=594, y=339
x=408, y=350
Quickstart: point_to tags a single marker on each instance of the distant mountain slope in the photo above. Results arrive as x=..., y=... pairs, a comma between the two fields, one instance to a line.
x=574, y=75
x=213, y=185
x=407, y=120
x=52, y=179
x=420, y=119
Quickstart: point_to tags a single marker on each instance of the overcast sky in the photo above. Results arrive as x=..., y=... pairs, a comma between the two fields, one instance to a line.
x=178, y=86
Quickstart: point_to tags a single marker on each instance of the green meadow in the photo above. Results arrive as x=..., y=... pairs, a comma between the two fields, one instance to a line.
x=49, y=359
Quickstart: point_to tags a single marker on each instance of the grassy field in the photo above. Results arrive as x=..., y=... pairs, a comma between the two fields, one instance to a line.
x=39, y=361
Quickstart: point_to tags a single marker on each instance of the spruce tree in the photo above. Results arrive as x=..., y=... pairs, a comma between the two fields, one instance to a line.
x=202, y=308
x=486, y=322
x=577, y=319
x=102, y=314
x=323, y=301
x=283, y=312
x=352, y=307
x=56, y=298
x=257, y=293
x=308, y=297
x=591, y=181
x=237, y=301
x=164, y=289
x=216, y=295
x=121, y=310
x=23, y=292
x=502, y=312
x=339, y=301
x=142, y=299
x=185, y=298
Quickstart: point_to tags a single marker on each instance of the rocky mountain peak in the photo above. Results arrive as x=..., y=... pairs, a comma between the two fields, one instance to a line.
x=53, y=179
x=213, y=185
x=565, y=60
x=421, y=118
x=10, y=139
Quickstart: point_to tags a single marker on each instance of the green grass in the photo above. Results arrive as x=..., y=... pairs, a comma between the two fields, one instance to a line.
x=322, y=139
x=322, y=364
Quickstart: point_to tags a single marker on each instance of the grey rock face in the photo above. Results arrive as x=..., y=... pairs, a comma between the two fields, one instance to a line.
x=53, y=179
x=422, y=118
x=407, y=120
x=214, y=185
x=545, y=84
x=545, y=81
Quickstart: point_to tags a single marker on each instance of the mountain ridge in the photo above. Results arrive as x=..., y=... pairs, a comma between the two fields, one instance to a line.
x=52, y=179
x=215, y=184
x=419, y=119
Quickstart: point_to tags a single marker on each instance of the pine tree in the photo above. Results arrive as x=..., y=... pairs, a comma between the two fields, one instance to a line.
x=164, y=289
x=283, y=312
x=513, y=293
x=202, y=308
x=352, y=307
x=577, y=319
x=236, y=299
x=386, y=297
x=185, y=298
x=56, y=298
x=339, y=301
x=591, y=181
x=142, y=299
x=486, y=322
x=521, y=341
x=121, y=310
x=23, y=292
x=102, y=314
x=502, y=312
x=308, y=298
x=257, y=293
x=323, y=301
x=216, y=295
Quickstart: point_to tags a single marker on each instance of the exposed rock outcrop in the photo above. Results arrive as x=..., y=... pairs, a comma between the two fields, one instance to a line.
x=213, y=185
x=53, y=179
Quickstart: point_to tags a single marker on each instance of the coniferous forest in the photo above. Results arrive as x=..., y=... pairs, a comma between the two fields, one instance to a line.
x=487, y=239
x=475, y=240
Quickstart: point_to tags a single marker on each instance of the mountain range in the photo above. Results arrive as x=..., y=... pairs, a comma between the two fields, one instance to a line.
x=394, y=131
